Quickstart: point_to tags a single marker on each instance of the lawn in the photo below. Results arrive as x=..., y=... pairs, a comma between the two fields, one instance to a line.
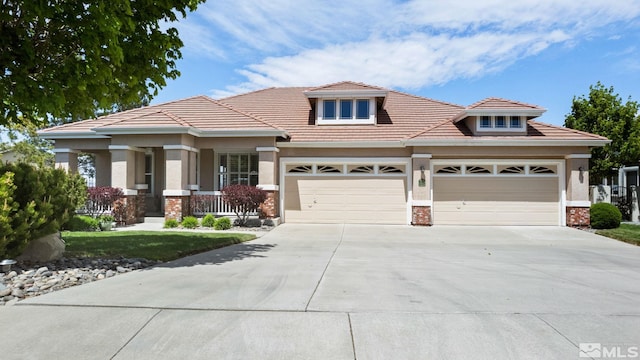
x=152, y=245
x=626, y=232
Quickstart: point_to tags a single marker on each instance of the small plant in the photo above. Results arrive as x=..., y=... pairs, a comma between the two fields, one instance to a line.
x=208, y=221
x=105, y=221
x=223, y=223
x=82, y=223
x=170, y=223
x=190, y=222
x=605, y=216
x=243, y=199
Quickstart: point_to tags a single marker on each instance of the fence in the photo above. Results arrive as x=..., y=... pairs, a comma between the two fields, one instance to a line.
x=210, y=202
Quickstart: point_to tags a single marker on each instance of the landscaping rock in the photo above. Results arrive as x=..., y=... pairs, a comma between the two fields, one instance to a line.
x=47, y=248
x=32, y=278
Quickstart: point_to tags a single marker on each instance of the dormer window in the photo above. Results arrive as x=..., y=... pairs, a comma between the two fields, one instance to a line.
x=500, y=123
x=346, y=111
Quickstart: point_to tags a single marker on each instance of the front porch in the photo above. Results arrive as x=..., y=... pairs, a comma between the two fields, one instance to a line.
x=177, y=180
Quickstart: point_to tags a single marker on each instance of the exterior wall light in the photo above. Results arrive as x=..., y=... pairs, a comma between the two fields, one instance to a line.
x=6, y=265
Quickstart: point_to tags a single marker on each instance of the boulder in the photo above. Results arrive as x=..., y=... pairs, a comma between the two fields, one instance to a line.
x=44, y=249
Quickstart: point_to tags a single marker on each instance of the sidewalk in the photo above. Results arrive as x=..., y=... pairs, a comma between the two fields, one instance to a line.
x=157, y=224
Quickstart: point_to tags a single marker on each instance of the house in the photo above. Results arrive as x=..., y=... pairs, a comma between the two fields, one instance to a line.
x=345, y=152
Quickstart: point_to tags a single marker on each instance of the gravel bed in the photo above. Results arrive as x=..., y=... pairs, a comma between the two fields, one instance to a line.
x=26, y=280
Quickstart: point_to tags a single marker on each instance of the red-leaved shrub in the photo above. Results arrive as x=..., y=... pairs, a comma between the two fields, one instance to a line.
x=243, y=199
x=100, y=199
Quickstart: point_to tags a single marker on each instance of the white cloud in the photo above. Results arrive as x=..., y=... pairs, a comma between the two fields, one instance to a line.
x=406, y=44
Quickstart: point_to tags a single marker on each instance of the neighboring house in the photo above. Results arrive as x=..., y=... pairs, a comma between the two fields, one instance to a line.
x=9, y=156
x=342, y=153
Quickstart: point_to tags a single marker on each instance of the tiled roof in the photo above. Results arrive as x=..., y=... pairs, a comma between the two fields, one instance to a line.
x=287, y=110
x=494, y=103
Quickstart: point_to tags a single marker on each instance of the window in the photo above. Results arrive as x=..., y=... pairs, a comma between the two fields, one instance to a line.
x=148, y=173
x=329, y=109
x=515, y=122
x=485, y=122
x=362, y=109
x=501, y=122
x=346, y=109
x=237, y=169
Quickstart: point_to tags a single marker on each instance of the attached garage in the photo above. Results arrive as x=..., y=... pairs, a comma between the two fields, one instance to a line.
x=346, y=192
x=496, y=193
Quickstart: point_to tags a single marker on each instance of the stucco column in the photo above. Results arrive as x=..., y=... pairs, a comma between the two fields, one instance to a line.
x=176, y=193
x=577, y=183
x=123, y=175
x=421, y=192
x=268, y=180
x=103, y=168
x=67, y=159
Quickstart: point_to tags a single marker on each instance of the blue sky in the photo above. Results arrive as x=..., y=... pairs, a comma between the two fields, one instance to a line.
x=460, y=51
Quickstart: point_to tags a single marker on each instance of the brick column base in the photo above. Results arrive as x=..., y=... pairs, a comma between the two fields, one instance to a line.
x=269, y=209
x=124, y=210
x=579, y=217
x=176, y=207
x=421, y=215
x=141, y=205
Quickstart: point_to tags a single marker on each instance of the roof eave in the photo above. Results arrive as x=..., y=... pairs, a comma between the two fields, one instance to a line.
x=194, y=132
x=507, y=142
x=341, y=144
x=71, y=135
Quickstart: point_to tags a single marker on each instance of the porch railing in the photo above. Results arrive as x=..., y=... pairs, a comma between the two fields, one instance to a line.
x=210, y=202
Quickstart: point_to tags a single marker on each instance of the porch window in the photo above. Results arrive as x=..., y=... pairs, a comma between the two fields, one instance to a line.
x=148, y=173
x=237, y=169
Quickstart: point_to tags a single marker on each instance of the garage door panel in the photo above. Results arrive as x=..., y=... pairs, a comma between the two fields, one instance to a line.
x=331, y=199
x=496, y=201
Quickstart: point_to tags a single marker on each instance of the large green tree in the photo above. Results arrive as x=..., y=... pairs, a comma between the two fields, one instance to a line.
x=604, y=113
x=71, y=59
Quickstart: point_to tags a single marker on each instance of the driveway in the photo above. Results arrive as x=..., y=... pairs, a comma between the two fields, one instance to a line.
x=352, y=292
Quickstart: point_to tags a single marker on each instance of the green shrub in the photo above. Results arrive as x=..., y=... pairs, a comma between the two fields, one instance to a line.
x=189, y=222
x=82, y=223
x=223, y=223
x=605, y=216
x=171, y=223
x=35, y=202
x=208, y=221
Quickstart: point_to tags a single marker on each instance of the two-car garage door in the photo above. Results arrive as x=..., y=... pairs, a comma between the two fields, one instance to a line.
x=346, y=193
x=496, y=194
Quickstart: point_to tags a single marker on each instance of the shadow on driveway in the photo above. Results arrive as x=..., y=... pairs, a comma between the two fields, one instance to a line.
x=222, y=255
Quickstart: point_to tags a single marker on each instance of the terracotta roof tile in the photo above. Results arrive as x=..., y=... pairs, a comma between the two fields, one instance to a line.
x=498, y=103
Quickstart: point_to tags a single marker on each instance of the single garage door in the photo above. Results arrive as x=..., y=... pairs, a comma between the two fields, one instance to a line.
x=497, y=195
x=351, y=197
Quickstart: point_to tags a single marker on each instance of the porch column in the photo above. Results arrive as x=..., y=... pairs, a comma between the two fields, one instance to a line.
x=421, y=192
x=67, y=159
x=176, y=193
x=103, y=168
x=577, y=183
x=267, y=180
x=123, y=175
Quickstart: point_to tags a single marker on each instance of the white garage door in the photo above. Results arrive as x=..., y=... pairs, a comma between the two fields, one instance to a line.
x=345, y=193
x=496, y=195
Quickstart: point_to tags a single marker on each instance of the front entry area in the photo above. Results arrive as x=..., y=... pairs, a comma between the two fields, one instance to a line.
x=352, y=192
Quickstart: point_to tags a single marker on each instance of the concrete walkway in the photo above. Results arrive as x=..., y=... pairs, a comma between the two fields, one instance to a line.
x=351, y=292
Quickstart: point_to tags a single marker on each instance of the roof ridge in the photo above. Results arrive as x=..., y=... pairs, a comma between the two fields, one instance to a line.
x=569, y=129
x=427, y=98
x=255, y=117
x=346, y=82
x=516, y=102
x=246, y=93
x=176, y=118
x=429, y=128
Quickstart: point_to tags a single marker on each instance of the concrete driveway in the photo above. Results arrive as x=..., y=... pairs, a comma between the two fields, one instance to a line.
x=352, y=292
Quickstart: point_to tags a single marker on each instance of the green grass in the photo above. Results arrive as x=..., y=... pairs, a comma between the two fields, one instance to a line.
x=626, y=232
x=152, y=245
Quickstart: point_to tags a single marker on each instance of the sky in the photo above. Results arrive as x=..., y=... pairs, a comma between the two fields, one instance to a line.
x=459, y=51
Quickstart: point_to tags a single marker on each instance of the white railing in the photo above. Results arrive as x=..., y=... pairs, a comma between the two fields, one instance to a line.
x=210, y=202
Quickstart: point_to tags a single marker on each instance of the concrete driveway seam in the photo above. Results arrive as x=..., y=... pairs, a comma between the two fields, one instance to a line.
x=556, y=330
x=324, y=271
x=136, y=333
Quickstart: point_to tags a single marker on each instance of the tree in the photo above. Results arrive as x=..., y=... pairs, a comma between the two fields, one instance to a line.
x=604, y=113
x=70, y=59
x=243, y=199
